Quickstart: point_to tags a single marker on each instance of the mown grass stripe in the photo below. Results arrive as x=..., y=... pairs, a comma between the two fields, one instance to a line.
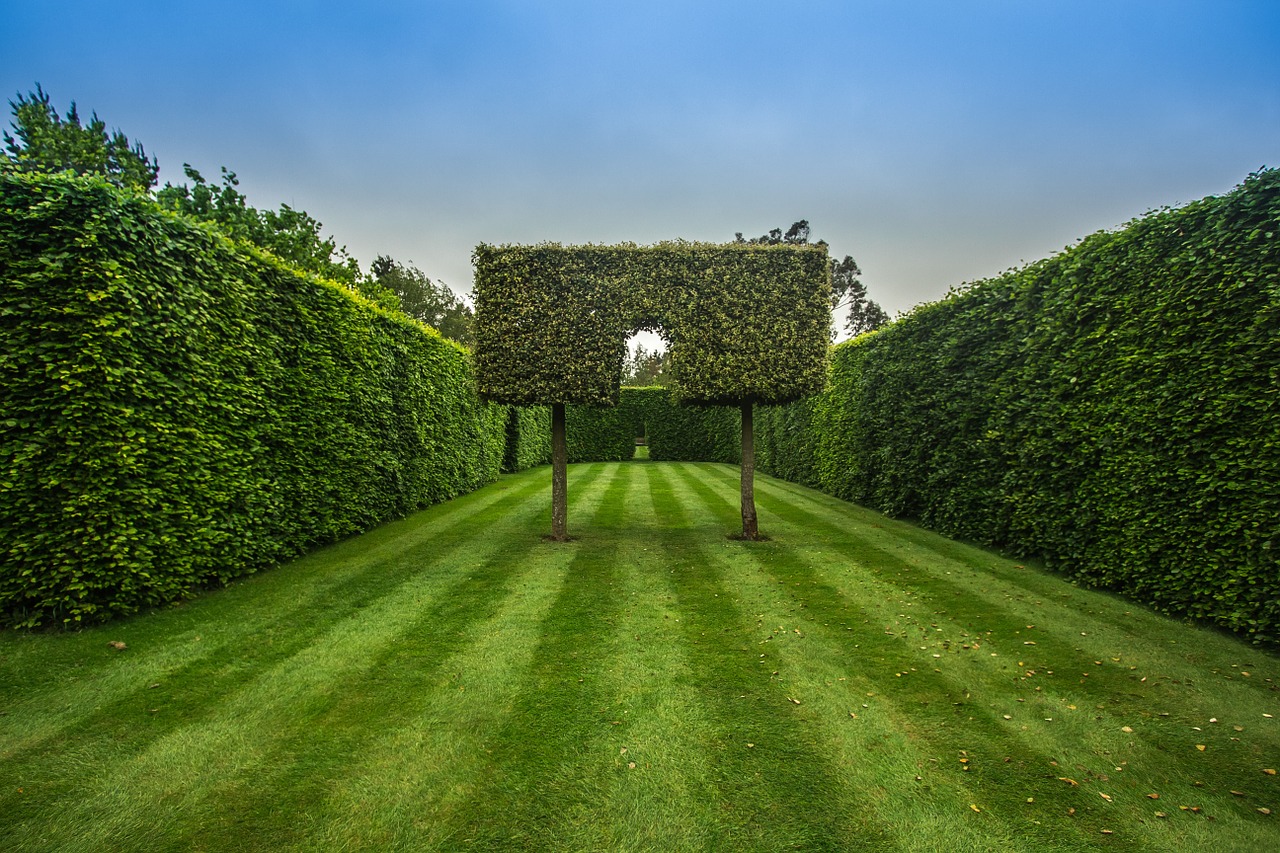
x=1093, y=737
x=542, y=768
x=342, y=646
x=778, y=779
x=343, y=575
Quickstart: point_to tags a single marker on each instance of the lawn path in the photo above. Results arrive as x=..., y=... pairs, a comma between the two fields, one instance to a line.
x=452, y=681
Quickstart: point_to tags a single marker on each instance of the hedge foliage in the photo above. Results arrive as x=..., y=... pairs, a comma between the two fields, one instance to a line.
x=595, y=434
x=673, y=431
x=178, y=410
x=684, y=433
x=1114, y=409
x=745, y=322
x=528, y=438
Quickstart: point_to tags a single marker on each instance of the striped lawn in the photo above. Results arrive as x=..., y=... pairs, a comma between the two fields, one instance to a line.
x=453, y=682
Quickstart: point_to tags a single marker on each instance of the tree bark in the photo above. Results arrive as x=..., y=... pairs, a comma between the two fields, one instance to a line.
x=559, y=476
x=750, y=531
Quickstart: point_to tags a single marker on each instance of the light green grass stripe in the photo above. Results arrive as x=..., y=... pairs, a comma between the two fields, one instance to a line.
x=293, y=588
x=1138, y=638
x=666, y=801
x=869, y=751
x=1077, y=732
x=540, y=766
x=144, y=798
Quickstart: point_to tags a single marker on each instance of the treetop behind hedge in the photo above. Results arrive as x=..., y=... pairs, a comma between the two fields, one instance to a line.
x=745, y=323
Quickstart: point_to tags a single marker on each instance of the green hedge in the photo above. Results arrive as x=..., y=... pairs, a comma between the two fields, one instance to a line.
x=598, y=434
x=179, y=410
x=528, y=438
x=674, y=431
x=745, y=322
x=1114, y=409
x=684, y=433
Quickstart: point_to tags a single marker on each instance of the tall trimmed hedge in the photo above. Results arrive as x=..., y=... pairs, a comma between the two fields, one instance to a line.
x=178, y=410
x=528, y=438
x=684, y=433
x=675, y=431
x=1114, y=409
x=746, y=322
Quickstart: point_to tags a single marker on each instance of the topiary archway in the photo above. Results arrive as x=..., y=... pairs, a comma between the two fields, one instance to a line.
x=746, y=324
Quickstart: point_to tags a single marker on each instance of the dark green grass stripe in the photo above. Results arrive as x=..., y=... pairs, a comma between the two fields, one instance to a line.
x=1101, y=741
x=932, y=710
x=432, y=602
x=1100, y=661
x=541, y=769
x=1035, y=587
x=782, y=792
x=216, y=654
x=1122, y=648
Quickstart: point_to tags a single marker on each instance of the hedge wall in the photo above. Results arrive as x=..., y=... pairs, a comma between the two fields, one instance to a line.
x=1114, y=409
x=675, y=431
x=528, y=438
x=595, y=434
x=684, y=433
x=745, y=321
x=179, y=410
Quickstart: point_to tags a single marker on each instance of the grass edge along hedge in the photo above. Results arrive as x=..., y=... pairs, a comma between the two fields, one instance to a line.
x=1112, y=410
x=180, y=410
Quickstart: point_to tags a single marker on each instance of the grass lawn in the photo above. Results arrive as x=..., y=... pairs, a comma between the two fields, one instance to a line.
x=453, y=682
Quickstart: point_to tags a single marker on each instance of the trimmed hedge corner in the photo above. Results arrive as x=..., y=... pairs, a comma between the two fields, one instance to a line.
x=179, y=410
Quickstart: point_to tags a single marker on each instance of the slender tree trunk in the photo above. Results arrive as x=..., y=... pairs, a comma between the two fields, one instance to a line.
x=750, y=531
x=559, y=478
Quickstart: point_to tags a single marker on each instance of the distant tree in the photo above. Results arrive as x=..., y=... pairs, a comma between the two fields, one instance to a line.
x=294, y=236
x=432, y=302
x=43, y=141
x=847, y=289
x=643, y=368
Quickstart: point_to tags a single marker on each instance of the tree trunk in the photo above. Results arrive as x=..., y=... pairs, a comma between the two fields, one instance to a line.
x=750, y=531
x=559, y=477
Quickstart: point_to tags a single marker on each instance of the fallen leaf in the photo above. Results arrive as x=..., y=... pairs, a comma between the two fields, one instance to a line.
x=1238, y=793
x=1106, y=797
x=631, y=765
x=751, y=746
x=1161, y=814
x=1072, y=782
x=1269, y=772
x=117, y=645
x=796, y=701
x=1107, y=832
x=1264, y=811
x=974, y=807
x=1153, y=796
x=1127, y=730
x=1201, y=747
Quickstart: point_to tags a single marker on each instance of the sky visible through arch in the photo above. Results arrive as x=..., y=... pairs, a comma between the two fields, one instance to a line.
x=935, y=142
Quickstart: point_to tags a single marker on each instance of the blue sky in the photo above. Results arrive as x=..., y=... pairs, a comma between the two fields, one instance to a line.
x=936, y=142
